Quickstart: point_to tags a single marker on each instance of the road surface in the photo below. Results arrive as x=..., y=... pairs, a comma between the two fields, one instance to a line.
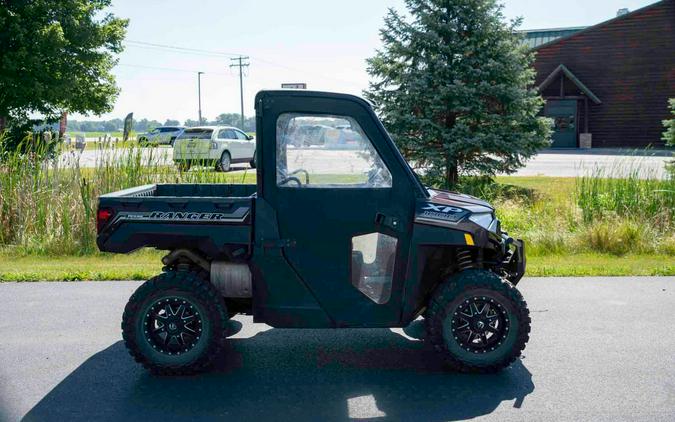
x=601, y=349
x=563, y=163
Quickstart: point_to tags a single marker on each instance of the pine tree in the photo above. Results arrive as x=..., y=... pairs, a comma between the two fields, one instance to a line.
x=454, y=86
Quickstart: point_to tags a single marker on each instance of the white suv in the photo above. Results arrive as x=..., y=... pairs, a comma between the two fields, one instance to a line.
x=213, y=145
x=161, y=135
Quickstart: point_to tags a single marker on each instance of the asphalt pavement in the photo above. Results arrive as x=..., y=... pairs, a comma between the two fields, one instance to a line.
x=601, y=349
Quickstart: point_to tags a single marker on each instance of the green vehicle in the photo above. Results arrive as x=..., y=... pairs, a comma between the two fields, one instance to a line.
x=327, y=238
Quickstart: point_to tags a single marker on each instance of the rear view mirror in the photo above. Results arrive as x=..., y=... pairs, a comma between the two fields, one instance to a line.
x=249, y=137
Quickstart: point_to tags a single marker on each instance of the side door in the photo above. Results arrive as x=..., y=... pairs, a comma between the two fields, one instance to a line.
x=564, y=115
x=344, y=211
x=234, y=145
x=224, y=140
x=247, y=145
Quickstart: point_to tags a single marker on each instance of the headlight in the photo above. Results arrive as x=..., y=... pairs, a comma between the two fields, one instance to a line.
x=486, y=220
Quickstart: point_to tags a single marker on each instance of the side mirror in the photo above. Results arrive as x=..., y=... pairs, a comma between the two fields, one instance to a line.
x=249, y=137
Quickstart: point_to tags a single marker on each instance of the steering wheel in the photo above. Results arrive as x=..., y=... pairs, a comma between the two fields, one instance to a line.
x=290, y=179
x=300, y=171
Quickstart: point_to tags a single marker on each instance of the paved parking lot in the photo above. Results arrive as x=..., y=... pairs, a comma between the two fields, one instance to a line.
x=601, y=349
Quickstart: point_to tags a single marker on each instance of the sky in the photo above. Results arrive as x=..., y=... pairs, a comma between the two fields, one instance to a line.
x=321, y=43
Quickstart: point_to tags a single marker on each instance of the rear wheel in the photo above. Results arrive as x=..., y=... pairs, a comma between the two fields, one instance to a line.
x=478, y=321
x=175, y=323
x=224, y=163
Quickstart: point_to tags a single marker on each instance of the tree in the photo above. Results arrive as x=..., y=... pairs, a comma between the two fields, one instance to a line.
x=454, y=86
x=170, y=122
x=669, y=124
x=191, y=123
x=56, y=55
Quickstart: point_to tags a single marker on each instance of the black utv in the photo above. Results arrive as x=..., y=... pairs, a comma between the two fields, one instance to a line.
x=335, y=234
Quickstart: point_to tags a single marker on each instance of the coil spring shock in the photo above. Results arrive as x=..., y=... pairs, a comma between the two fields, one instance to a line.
x=464, y=259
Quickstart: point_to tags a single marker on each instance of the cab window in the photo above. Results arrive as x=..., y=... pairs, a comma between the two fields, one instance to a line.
x=319, y=151
x=240, y=135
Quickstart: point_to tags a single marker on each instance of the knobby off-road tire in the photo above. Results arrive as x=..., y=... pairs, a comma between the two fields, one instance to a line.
x=175, y=323
x=478, y=322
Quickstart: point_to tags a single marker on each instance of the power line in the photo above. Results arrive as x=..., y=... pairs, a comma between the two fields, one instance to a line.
x=178, y=48
x=171, y=69
x=214, y=53
x=238, y=62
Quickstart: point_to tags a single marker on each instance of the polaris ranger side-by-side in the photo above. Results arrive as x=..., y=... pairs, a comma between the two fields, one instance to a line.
x=335, y=234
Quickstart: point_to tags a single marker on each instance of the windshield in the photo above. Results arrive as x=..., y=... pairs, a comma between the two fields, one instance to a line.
x=196, y=134
x=419, y=183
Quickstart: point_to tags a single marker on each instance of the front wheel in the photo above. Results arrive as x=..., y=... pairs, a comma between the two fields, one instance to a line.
x=478, y=321
x=175, y=323
x=252, y=162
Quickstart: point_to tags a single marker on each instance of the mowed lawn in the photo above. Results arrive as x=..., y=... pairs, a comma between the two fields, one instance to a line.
x=143, y=265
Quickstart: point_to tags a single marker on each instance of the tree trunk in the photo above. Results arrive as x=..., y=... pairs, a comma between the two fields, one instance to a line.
x=451, y=174
x=3, y=122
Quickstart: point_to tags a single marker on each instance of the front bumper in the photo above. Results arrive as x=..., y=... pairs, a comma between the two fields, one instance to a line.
x=514, y=259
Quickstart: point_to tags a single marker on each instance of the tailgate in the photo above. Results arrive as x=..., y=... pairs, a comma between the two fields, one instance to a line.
x=191, y=149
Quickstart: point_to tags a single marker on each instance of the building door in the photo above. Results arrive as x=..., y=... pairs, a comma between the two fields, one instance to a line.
x=564, y=115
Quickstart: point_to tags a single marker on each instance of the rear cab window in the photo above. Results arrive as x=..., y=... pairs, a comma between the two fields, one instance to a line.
x=196, y=133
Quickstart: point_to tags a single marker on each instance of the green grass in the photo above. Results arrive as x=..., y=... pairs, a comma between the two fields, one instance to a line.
x=595, y=225
x=144, y=264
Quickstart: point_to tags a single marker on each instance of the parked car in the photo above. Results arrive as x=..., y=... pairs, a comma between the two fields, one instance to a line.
x=213, y=145
x=161, y=135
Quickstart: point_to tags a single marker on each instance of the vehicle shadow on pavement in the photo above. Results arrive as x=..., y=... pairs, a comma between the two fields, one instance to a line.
x=288, y=375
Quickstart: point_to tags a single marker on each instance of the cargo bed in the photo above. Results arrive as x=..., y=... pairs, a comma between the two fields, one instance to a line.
x=212, y=218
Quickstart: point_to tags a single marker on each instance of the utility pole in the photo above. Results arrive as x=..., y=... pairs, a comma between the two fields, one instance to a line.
x=199, y=95
x=238, y=62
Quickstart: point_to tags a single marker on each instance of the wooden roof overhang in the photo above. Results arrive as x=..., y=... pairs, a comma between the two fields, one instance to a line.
x=562, y=69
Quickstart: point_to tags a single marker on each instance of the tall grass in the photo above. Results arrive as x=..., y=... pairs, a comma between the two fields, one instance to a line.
x=48, y=206
x=601, y=195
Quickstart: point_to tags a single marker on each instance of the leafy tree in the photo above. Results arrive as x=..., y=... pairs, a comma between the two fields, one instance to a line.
x=191, y=123
x=228, y=119
x=170, y=122
x=234, y=119
x=56, y=55
x=669, y=134
x=454, y=86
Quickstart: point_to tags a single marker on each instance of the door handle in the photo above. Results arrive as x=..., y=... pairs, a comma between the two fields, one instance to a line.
x=387, y=221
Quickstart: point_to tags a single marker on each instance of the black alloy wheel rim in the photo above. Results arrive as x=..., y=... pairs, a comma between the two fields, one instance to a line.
x=172, y=325
x=480, y=324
